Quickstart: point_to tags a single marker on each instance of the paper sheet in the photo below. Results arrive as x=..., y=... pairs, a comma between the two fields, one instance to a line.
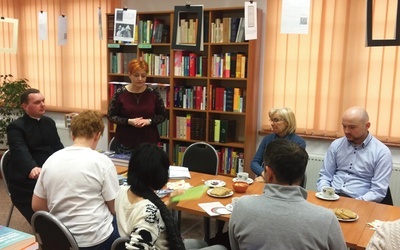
x=295, y=16
x=193, y=193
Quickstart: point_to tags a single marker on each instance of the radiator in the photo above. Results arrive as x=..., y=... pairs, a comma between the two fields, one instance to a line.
x=315, y=163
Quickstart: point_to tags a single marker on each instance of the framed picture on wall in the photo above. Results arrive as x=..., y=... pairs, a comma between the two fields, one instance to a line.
x=11, y=37
x=188, y=29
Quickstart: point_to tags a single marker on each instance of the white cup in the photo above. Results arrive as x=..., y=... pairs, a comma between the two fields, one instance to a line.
x=242, y=176
x=328, y=192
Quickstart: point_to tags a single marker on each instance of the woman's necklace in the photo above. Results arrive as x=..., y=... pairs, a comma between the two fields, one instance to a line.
x=135, y=94
x=138, y=98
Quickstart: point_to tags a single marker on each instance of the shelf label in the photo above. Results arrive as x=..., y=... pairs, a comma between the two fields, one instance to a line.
x=114, y=45
x=145, y=46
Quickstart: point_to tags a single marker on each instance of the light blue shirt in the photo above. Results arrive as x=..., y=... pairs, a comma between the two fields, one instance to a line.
x=361, y=172
x=257, y=162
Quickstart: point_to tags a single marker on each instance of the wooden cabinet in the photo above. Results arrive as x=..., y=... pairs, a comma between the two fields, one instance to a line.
x=210, y=95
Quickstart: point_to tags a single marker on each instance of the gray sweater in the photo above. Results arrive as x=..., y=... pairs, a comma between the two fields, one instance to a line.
x=282, y=218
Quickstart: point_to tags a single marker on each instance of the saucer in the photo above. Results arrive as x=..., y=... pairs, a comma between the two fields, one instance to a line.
x=229, y=207
x=215, y=183
x=249, y=180
x=334, y=198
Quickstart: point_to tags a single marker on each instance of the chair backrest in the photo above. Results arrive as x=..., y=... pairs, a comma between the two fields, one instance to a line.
x=51, y=233
x=201, y=157
x=388, y=198
x=303, y=183
x=4, y=163
x=119, y=244
x=112, y=144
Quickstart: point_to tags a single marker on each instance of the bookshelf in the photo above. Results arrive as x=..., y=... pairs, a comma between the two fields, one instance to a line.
x=210, y=95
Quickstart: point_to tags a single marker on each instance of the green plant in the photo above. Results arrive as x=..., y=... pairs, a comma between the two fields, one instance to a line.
x=10, y=107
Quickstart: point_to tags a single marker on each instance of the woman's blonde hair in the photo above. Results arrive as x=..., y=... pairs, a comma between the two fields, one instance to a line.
x=288, y=116
x=87, y=124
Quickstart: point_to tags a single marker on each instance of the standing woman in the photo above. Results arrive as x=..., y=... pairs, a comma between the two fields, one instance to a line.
x=137, y=110
x=283, y=124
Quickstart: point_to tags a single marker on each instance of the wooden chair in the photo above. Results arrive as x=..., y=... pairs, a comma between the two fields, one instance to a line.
x=4, y=163
x=51, y=233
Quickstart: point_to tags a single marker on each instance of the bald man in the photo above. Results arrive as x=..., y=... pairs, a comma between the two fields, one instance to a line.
x=357, y=165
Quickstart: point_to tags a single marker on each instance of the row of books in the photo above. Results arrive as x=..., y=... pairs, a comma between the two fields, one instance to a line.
x=231, y=161
x=228, y=99
x=158, y=64
x=193, y=97
x=153, y=31
x=190, y=127
x=187, y=31
x=163, y=128
x=222, y=130
x=189, y=64
x=227, y=30
x=229, y=65
x=119, y=62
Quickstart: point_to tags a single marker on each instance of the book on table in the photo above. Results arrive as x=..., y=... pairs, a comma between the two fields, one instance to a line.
x=14, y=239
x=177, y=172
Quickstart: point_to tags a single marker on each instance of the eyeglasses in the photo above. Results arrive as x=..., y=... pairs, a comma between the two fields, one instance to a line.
x=275, y=120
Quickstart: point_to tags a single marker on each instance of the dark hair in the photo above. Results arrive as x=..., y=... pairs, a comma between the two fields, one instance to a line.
x=148, y=171
x=287, y=160
x=24, y=97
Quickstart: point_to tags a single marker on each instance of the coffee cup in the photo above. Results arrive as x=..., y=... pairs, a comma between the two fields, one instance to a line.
x=328, y=192
x=242, y=176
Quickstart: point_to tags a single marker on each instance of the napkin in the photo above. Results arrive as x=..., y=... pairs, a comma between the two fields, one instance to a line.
x=214, y=208
x=191, y=194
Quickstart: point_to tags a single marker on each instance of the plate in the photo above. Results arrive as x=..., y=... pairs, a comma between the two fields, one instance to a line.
x=229, y=207
x=249, y=180
x=216, y=196
x=334, y=198
x=348, y=220
x=220, y=210
x=215, y=183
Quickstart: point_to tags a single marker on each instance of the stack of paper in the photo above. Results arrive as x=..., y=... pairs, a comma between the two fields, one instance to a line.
x=176, y=172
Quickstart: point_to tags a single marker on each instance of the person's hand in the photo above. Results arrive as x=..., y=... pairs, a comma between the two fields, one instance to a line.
x=259, y=179
x=138, y=122
x=34, y=174
x=174, y=193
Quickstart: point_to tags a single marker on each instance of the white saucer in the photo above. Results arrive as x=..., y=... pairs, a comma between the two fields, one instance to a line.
x=249, y=180
x=348, y=220
x=214, y=183
x=216, y=196
x=334, y=198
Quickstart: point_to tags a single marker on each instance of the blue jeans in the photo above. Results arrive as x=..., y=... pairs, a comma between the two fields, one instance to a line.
x=106, y=245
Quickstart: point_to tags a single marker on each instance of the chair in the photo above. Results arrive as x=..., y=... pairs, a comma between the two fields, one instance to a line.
x=5, y=160
x=203, y=158
x=112, y=144
x=388, y=198
x=119, y=244
x=51, y=233
x=303, y=183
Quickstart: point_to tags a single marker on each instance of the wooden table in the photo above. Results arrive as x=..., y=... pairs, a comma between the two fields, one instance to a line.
x=121, y=169
x=352, y=231
x=381, y=212
x=356, y=234
x=191, y=206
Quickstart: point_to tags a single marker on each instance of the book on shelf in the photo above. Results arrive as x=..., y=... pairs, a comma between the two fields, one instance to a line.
x=11, y=239
x=228, y=131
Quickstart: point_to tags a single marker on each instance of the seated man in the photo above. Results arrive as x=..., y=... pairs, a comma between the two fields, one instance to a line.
x=357, y=165
x=78, y=185
x=282, y=218
x=32, y=138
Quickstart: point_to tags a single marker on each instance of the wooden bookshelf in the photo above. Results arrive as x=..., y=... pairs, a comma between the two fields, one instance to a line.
x=194, y=78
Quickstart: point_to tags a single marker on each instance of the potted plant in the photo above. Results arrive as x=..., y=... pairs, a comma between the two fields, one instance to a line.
x=10, y=108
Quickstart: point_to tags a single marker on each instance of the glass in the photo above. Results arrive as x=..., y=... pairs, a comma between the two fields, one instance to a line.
x=275, y=120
